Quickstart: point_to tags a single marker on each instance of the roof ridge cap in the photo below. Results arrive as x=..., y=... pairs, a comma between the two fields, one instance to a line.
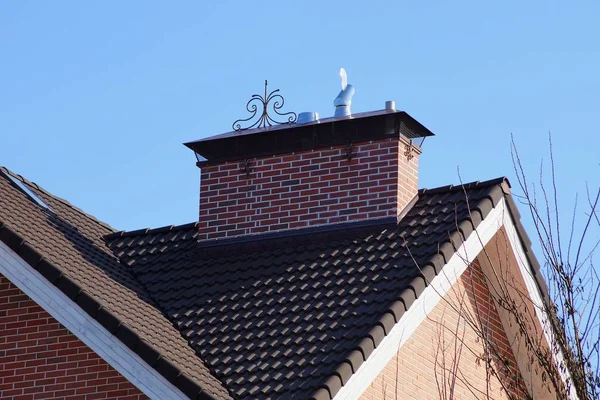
x=59, y=199
x=145, y=231
x=469, y=185
x=296, y=232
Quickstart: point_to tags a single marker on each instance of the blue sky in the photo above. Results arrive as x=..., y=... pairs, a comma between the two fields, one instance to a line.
x=97, y=99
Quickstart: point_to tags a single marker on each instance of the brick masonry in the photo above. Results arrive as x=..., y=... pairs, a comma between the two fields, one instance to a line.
x=41, y=359
x=310, y=188
x=422, y=367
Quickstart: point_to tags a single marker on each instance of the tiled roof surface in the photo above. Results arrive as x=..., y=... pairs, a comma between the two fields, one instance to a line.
x=277, y=316
x=77, y=260
x=294, y=316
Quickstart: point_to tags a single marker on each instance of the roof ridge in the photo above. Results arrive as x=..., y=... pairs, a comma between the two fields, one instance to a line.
x=428, y=270
x=59, y=199
x=298, y=232
x=463, y=186
x=253, y=237
x=145, y=231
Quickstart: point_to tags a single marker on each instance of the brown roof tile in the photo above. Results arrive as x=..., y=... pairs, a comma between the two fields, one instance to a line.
x=66, y=246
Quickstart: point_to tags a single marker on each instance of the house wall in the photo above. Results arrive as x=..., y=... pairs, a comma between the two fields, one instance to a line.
x=445, y=346
x=501, y=267
x=40, y=359
x=307, y=189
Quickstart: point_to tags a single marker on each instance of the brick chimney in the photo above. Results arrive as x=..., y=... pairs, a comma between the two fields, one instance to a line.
x=294, y=176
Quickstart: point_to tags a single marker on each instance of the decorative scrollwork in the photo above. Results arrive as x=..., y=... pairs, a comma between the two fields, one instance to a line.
x=348, y=151
x=245, y=167
x=408, y=150
x=265, y=119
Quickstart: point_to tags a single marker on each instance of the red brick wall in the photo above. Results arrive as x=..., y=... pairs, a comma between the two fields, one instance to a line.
x=422, y=367
x=40, y=359
x=307, y=189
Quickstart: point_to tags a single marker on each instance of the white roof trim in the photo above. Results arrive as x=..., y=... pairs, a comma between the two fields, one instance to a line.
x=87, y=329
x=423, y=305
x=499, y=217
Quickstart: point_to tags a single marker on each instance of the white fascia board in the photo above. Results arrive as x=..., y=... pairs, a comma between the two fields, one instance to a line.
x=423, y=305
x=87, y=329
x=499, y=217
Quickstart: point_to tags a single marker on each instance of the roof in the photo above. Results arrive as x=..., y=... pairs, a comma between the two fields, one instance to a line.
x=65, y=245
x=282, y=315
x=361, y=127
x=292, y=315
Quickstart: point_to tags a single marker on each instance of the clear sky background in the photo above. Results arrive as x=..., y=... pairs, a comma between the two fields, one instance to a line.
x=96, y=99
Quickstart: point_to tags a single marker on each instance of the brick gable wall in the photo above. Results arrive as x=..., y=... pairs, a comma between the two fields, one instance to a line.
x=40, y=359
x=305, y=189
x=416, y=371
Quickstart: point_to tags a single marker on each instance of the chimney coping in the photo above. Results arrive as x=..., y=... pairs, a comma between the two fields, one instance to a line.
x=290, y=138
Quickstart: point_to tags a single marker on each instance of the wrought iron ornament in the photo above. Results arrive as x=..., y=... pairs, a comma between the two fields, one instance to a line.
x=408, y=150
x=265, y=119
x=348, y=151
x=245, y=167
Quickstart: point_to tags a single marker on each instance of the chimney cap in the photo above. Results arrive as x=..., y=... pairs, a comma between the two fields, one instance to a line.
x=372, y=125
